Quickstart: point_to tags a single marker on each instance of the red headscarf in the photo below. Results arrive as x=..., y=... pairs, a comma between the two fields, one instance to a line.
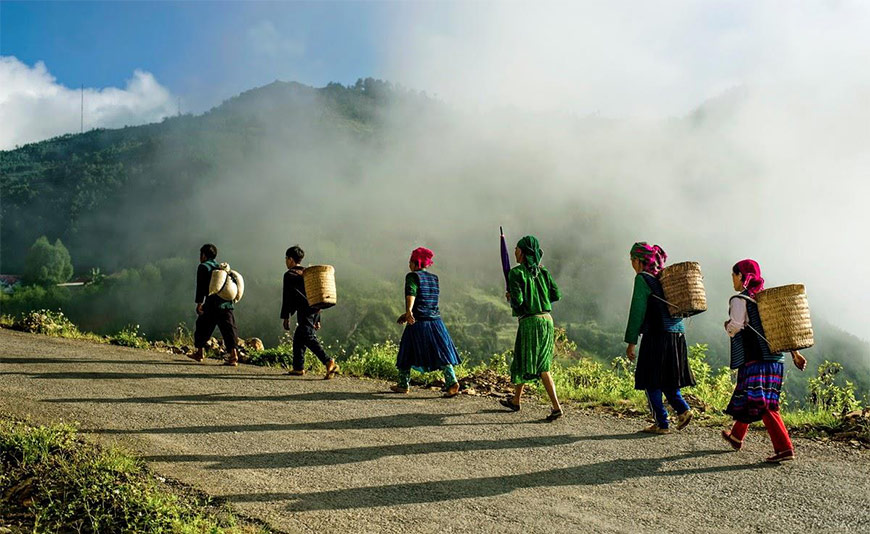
x=422, y=257
x=751, y=272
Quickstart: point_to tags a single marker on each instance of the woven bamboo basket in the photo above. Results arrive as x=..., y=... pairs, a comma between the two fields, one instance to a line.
x=320, y=286
x=785, y=316
x=683, y=285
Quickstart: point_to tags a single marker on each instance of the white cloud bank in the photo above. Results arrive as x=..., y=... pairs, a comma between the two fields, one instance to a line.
x=34, y=106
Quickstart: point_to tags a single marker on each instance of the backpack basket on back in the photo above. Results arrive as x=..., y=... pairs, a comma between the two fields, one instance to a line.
x=320, y=286
x=683, y=285
x=226, y=283
x=785, y=316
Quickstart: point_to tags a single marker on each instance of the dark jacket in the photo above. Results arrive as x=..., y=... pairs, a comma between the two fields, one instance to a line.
x=295, y=301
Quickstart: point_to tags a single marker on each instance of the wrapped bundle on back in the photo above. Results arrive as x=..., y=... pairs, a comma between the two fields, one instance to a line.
x=226, y=283
x=785, y=316
x=320, y=286
x=683, y=285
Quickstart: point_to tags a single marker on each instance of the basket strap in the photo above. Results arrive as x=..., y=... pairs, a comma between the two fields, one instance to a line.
x=769, y=346
x=663, y=300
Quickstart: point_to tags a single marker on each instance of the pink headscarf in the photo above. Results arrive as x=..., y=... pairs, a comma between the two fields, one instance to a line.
x=422, y=257
x=751, y=272
x=652, y=257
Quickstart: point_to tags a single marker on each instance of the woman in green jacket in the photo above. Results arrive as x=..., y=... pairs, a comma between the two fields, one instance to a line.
x=531, y=292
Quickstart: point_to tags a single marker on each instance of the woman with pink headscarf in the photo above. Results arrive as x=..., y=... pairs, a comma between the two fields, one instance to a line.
x=662, y=362
x=759, y=371
x=426, y=344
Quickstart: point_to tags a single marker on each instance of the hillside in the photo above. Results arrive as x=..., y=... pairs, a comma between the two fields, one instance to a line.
x=358, y=175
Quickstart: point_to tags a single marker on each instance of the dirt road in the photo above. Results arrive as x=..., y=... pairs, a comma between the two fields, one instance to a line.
x=307, y=455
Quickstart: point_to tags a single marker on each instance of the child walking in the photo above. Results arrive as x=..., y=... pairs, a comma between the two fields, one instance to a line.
x=295, y=301
x=426, y=344
x=532, y=292
x=212, y=311
x=759, y=371
x=662, y=362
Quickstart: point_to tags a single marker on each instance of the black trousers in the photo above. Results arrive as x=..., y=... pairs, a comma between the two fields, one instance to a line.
x=223, y=319
x=305, y=337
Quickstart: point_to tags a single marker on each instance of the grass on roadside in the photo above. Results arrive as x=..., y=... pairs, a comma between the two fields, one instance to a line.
x=53, y=481
x=585, y=381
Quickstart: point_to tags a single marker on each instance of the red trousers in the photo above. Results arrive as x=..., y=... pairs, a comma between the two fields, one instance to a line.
x=775, y=429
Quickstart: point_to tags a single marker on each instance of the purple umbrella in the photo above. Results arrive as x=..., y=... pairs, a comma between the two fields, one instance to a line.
x=505, y=258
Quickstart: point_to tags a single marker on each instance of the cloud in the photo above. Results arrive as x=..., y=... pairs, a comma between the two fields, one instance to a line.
x=622, y=58
x=34, y=106
x=265, y=40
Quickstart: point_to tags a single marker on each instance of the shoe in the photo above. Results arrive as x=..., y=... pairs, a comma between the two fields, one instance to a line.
x=509, y=404
x=296, y=372
x=331, y=370
x=196, y=358
x=684, y=419
x=397, y=389
x=735, y=443
x=656, y=429
x=555, y=414
x=452, y=391
x=231, y=363
x=778, y=458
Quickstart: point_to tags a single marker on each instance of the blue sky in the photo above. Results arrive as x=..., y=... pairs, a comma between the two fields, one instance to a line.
x=202, y=51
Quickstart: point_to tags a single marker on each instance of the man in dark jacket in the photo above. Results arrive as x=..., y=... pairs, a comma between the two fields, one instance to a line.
x=307, y=318
x=212, y=311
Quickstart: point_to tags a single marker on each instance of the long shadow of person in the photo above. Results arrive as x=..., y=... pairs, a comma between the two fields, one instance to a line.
x=446, y=490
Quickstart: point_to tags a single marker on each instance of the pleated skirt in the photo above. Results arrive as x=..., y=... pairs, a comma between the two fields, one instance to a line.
x=663, y=362
x=533, y=350
x=759, y=385
x=426, y=346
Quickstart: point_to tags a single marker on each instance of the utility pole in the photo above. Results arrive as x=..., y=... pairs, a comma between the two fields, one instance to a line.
x=82, y=125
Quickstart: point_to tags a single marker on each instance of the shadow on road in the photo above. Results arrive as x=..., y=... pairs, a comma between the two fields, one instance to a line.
x=212, y=398
x=360, y=454
x=447, y=490
x=406, y=420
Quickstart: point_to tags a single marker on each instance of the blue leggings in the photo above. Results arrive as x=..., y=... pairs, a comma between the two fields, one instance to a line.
x=675, y=399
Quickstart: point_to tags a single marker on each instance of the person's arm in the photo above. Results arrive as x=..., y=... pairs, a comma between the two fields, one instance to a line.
x=287, y=300
x=737, y=316
x=637, y=311
x=555, y=294
x=798, y=359
x=412, y=287
x=516, y=284
x=203, y=277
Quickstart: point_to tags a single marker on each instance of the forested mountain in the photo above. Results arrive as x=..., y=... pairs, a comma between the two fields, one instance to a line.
x=360, y=175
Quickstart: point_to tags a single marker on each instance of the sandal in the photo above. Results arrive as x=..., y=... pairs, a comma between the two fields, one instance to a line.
x=555, y=414
x=507, y=403
x=296, y=372
x=231, y=363
x=684, y=419
x=331, y=371
x=735, y=443
x=452, y=391
x=196, y=358
x=397, y=389
x=780, y=457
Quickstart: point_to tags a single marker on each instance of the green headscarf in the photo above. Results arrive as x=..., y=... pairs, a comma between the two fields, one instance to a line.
x=532, y=253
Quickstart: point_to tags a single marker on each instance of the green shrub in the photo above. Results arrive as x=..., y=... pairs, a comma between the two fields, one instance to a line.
x=130, y=337
x=61, y=484
x=826, y=395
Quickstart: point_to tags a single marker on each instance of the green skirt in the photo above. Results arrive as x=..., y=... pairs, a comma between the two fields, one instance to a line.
x=533, y=351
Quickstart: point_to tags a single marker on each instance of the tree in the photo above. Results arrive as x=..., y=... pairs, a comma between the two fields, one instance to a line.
x=47, y=264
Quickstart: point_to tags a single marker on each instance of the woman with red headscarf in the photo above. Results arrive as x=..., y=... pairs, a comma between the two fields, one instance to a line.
x=759, y=371
x=426, y=344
